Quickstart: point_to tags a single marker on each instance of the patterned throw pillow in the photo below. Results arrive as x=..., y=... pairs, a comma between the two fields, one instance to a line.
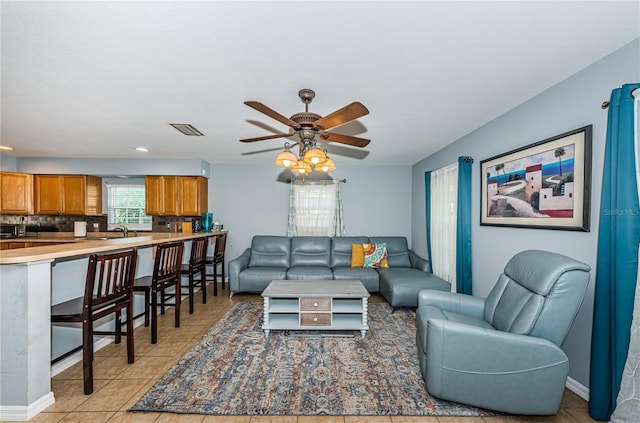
x=375, y=255
x=357, y=255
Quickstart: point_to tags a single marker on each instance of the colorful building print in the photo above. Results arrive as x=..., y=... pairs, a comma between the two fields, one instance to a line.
x=539, y=185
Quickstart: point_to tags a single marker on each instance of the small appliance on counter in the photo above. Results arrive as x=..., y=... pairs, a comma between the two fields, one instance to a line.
x=12, y=230
x=79, y=229
x=196, y=224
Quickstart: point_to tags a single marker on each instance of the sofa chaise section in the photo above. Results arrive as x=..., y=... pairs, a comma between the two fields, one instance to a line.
x=407, y=274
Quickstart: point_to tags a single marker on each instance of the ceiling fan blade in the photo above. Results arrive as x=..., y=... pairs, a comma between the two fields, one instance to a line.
x=349, y=112
x=345, y=139
x=272, y=114
x=266, y=150
x=266, y=137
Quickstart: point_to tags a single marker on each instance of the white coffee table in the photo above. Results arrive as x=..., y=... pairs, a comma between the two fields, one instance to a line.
x=315, y=305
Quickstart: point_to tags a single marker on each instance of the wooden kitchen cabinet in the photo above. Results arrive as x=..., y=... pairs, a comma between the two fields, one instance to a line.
x=176, y=195
x=16, y=193
x=193, y=195
x=161, y=195
x=78, y=195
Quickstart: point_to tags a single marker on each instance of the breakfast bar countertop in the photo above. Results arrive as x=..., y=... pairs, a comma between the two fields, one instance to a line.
x=71, y=247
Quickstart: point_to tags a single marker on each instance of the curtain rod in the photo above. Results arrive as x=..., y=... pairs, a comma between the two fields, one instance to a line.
x=605, y=104
x=344, y=181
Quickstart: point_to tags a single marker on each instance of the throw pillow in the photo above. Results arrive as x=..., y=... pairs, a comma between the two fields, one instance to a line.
x=357, y=255
x=375, y=255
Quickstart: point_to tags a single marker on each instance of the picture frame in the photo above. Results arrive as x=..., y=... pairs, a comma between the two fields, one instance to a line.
x=544, y=185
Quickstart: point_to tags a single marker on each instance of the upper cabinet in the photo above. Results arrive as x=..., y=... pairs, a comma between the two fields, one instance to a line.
x=16, y=193
x=176, y=195
x=193, y=194
x=161, y=195
x=68, y=195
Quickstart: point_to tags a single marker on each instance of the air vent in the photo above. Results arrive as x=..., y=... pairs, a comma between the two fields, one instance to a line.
x=187, y=129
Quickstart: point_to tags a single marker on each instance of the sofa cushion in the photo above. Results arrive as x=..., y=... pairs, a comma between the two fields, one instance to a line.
x=341, y=249
x=375, y=256
x=256, y=279
x=400, y=286
x=306, y=273
x=270, y=251
x=397, y=250
x=311, y=251
x=369, y=277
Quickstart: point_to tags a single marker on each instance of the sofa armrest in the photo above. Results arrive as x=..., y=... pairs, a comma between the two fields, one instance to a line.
x=419, y=263
x=236, y=266
x=449, y=301
x=463, y=360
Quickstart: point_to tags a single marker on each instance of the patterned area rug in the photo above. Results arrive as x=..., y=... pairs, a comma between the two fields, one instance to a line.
x=234, y=370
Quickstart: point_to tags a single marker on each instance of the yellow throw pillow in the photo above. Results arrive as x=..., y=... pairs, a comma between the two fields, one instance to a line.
x=357, y=255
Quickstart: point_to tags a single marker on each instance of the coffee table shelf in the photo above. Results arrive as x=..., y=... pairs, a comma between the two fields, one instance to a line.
x=315, y=305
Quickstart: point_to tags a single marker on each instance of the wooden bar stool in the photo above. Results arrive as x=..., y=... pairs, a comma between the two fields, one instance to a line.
x=108, y=290
x=166, y=275
x=196, y=265
x=216, y=259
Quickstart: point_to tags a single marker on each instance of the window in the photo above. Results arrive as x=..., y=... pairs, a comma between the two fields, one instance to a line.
x=126, y=207
x=315, y=209
x=444, y=203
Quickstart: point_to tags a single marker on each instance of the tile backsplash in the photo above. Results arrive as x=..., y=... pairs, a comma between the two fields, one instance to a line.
x=65, y=223
x=55, y=223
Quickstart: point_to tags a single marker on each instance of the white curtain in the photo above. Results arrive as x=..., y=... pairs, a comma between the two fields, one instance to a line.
x=444, y=193
x=628, y=401
x=315, y=209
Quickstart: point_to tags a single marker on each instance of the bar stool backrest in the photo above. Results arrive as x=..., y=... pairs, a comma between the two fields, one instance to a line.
x=198, y=258
x=109, y=282
x=168, y=262
x=221, y=242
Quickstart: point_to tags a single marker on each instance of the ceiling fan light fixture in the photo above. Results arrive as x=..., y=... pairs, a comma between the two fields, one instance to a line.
x=314, y=156
x=286, y=158
x=327, y=166
x=301, y=168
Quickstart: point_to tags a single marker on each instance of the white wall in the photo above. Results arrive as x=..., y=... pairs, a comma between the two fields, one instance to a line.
x=571, y=104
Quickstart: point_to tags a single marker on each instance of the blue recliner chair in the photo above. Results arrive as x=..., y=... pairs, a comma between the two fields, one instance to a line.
x=503, y=352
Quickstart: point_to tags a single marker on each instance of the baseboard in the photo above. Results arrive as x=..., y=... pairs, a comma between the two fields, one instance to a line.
x=23, y=413
x=578, y=388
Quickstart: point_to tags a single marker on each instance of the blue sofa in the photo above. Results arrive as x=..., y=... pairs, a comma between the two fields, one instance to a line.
x=329, y=258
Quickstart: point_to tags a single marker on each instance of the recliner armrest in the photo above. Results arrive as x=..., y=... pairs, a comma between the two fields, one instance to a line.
x=449, y=301
x=236, y=266
x=419, y=263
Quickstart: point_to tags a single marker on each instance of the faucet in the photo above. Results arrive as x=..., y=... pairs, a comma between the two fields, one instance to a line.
x=125, y=231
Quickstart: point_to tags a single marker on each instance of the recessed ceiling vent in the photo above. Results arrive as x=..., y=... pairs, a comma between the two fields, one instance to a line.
x=187, y=129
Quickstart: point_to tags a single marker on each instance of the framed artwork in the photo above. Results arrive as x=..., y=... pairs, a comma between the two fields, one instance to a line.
x=545, y=185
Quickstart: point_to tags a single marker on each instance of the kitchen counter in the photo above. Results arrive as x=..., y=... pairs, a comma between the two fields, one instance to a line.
x=70, y=246
x=27, y=277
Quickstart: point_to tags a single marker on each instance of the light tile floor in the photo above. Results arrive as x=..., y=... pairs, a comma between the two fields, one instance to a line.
x=117, y=385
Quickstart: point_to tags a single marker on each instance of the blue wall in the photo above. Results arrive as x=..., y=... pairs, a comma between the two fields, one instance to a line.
x=250, y=200
x=571, y=104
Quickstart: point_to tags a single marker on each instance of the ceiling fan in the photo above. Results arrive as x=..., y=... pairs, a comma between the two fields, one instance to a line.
x=308, y=124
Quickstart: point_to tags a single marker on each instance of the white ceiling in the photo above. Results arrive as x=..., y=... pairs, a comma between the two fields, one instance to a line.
x=96, y=79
